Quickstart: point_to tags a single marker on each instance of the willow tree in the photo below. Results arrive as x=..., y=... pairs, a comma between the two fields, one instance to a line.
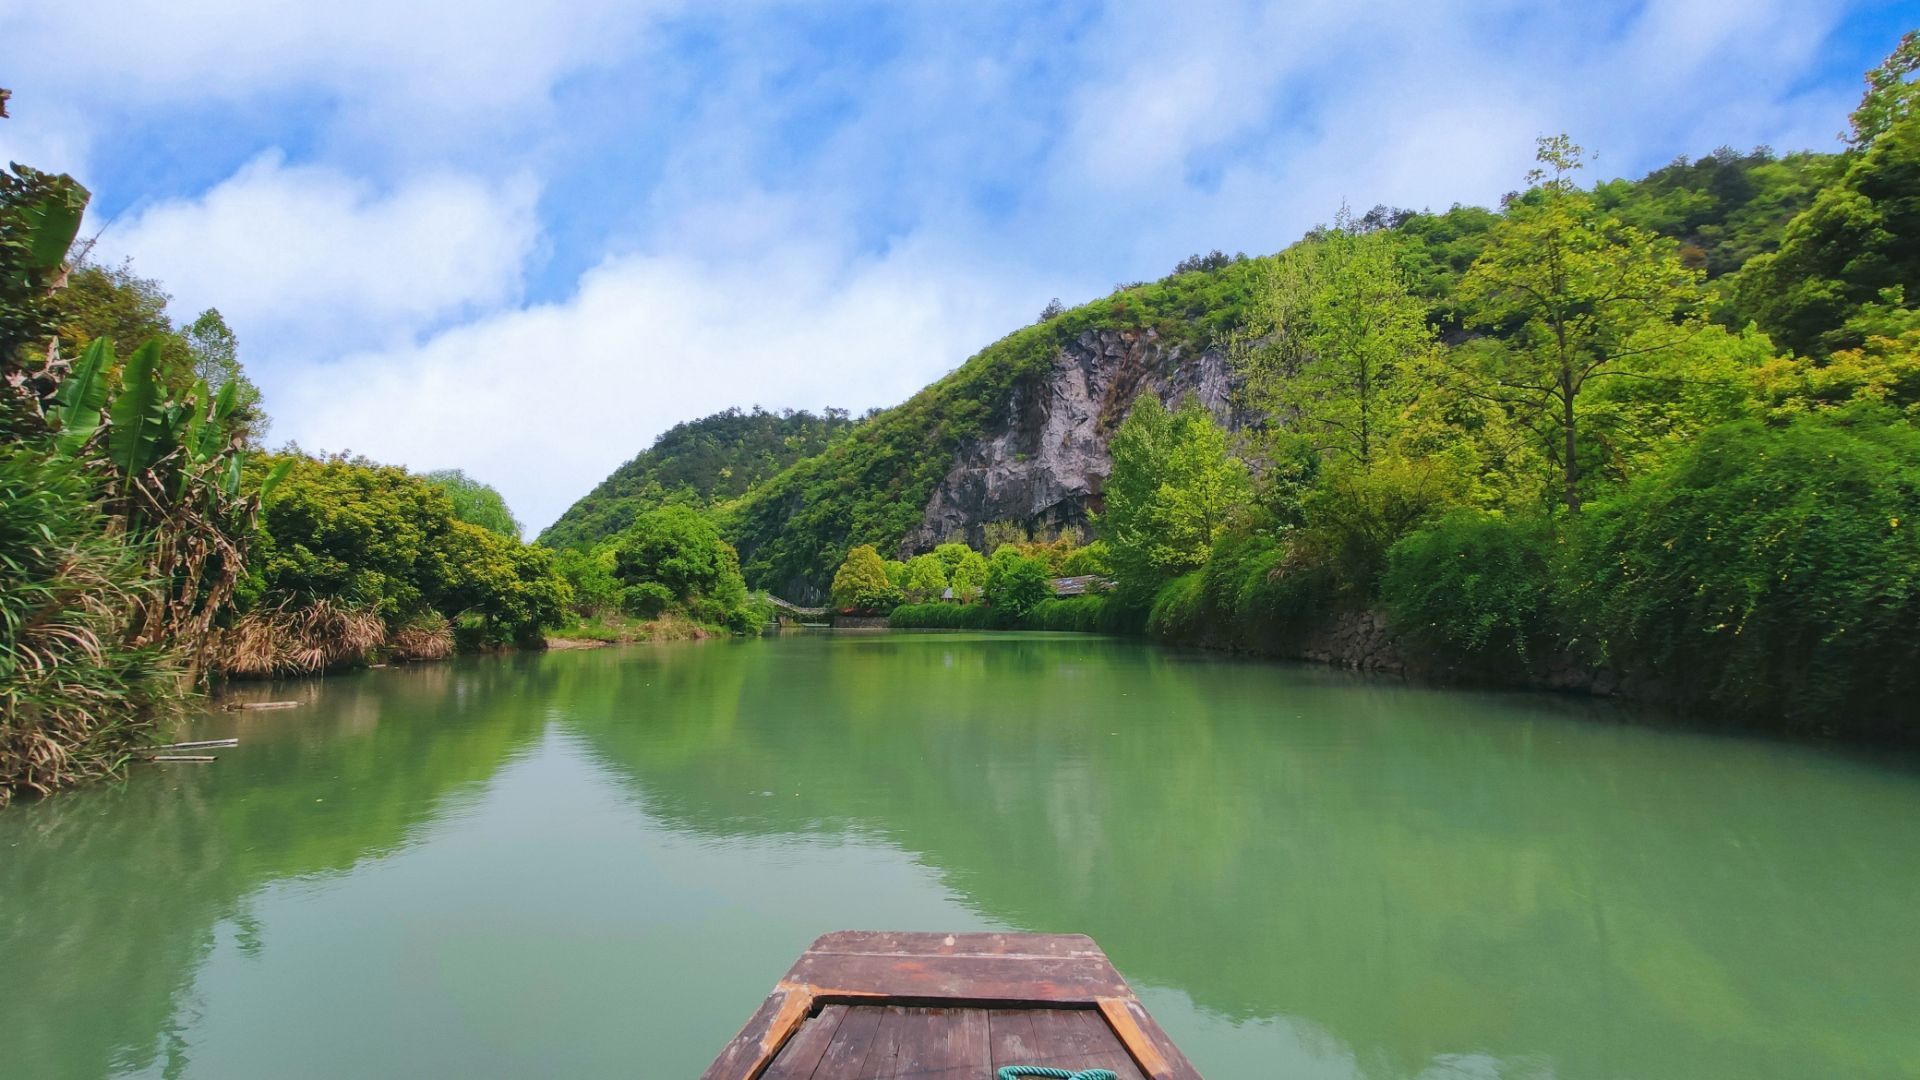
x=1569, y=294
x=1336, y=342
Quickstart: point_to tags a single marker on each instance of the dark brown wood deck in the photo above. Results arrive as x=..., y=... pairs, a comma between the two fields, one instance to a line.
x=876, y=1006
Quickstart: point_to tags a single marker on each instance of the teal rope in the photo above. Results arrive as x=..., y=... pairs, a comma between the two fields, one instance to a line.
x=1015, y=1072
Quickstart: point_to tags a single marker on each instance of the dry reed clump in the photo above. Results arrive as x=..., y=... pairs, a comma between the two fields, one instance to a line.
x=76, y=699
x=302, y=640
x=429, y=637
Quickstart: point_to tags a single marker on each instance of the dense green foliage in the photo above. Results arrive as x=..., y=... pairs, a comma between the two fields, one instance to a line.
x=950, y=617
x=1339, y=340
x=1016, y=583
x=925, y=578
x=1084, y=614
x=862, y=584
x=75, y=698
x=1767, y=570
x=476, y=503
x=1722, y=209
x=1848, y=268
x=1172, y=492
x=1476, y=589
x=117, y=305
x=39, y=217
x=698, y=463
x=378, y=538
x=673, y=557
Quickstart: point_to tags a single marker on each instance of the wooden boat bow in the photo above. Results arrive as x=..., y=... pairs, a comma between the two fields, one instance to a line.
x=872, y=1005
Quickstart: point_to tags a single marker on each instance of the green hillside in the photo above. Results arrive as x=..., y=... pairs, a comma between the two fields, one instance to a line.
x=871, y=487
x=700, y=462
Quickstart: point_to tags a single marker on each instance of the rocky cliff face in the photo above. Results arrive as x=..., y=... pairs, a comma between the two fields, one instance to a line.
x=1047, y=468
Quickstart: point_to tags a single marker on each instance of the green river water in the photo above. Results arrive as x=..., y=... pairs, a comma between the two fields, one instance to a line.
x=596, y=864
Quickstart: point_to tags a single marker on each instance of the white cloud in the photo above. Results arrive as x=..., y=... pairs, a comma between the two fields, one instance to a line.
x=304, y=259
x=47, y=135
x=544, y=401
x=449, y=58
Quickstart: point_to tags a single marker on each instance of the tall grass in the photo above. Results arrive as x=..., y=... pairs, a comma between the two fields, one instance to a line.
x=76, y=700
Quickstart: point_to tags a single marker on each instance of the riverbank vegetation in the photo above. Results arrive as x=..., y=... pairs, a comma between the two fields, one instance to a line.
x=667, y=575
x=149, y=548
x=1657, y=437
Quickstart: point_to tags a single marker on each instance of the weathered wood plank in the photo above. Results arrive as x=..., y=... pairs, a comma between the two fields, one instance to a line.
x=1079, y=1039
x=994, y=978
x=798, y=1059
x=950, y=1044
x=848, y=1052
x=884, y=1052
x=1136, y=1027
x=919, y=943
x=762, y=1034
x=1010, y=1037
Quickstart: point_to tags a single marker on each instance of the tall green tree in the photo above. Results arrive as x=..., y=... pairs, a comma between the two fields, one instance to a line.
x=215, y=352
x=861, y=583
x=926, y=578
x=1337, y=340
x=1172, y=491
x=677, y=547
x=1016, y=583
x=966, y=570
x=476, y=503
x=1572, y=295
x=1892, y=94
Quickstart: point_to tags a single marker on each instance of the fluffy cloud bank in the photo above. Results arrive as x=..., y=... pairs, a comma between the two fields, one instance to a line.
x=305, y=259
x=545, y=400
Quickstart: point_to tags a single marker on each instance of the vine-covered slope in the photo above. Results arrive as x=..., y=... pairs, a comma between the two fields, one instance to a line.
x=700, y=462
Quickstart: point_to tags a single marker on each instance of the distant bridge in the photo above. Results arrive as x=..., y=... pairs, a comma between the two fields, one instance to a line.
x=792, y=608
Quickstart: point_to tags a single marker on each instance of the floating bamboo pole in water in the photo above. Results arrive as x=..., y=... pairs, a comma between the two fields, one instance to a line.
x=183, y=757
x=266, y=705
x=203, y=744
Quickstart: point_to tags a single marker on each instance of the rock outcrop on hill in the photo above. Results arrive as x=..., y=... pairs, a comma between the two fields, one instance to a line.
x=1045, y=467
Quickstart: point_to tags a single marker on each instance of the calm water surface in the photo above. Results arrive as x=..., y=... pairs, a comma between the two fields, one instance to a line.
x=597, y=863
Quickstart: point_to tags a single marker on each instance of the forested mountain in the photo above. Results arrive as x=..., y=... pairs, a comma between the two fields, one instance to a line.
x=1019, y=432
x=699, y=462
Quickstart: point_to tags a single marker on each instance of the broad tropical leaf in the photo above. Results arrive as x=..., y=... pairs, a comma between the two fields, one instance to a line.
x=52, y=223
x=83, y=394
x=206, y=441
x=274, y=475
x=139, y=415
x=196, y=420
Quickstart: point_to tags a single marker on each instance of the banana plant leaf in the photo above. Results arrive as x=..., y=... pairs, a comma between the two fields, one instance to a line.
x=205, y=441
x=274, y=475
x=82, y=395
x=136, y=442
x=51, y=224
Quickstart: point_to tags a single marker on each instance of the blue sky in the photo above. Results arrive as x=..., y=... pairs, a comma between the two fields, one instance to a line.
x=525, y=239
